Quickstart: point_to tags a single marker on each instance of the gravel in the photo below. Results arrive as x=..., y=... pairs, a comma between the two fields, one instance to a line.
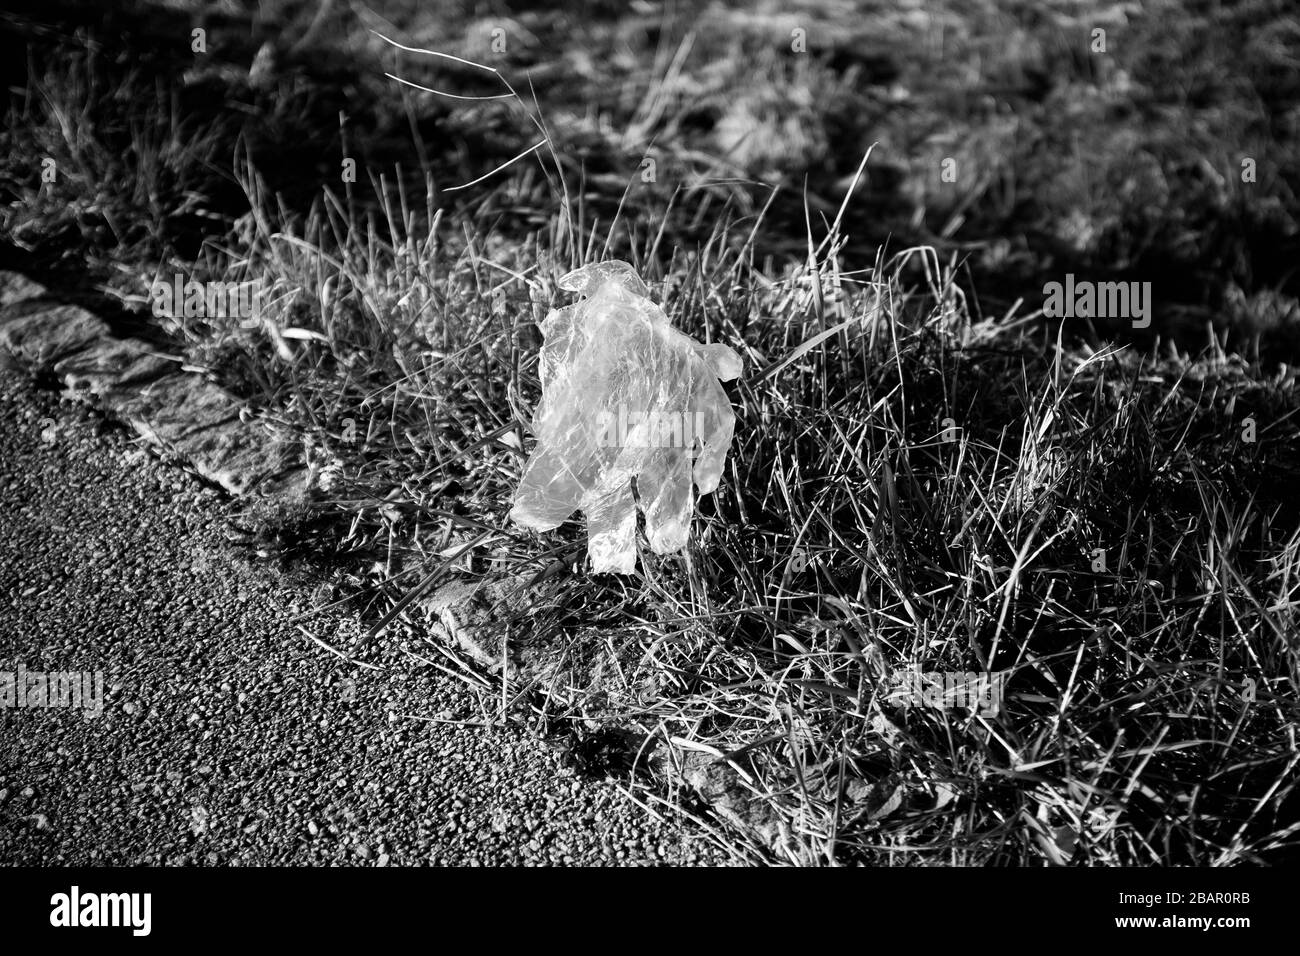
x=227, y=737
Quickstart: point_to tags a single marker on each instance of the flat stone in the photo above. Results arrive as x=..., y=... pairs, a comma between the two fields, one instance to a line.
x=462, y=614
x=109, y=364
x=293, y=485
x=235, y=455
x=473, y=616
x=42, y=337
x=16, y=287
x=722, y=788
x=171, y=408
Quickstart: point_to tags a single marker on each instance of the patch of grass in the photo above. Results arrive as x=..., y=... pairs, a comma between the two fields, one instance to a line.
x=1123, y=164
x=91, y=178
x=850, y=540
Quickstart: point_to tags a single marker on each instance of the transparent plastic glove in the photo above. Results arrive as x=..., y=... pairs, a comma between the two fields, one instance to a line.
x=624, y=395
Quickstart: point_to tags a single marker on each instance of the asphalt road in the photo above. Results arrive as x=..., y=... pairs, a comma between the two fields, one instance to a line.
x=226, y=736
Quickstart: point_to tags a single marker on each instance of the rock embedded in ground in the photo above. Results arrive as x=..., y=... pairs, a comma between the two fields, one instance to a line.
x=721, y=786
x=43, y=336
x=172, y=407
x=109, y=364
x=234, y=455
x=16, y=288
x=462, y=613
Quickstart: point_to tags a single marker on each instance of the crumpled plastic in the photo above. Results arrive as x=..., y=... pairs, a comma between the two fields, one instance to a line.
x=624, y=395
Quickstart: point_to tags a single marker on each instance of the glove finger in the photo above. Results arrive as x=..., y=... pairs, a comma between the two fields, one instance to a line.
x=665, y=490
x=611, y=531
x=719, y=424
x=722, y=360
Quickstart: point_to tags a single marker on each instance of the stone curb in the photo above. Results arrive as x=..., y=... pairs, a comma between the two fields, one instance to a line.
x=180, y=413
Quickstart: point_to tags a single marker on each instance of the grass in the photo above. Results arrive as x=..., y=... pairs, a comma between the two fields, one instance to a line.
x=1150, y=701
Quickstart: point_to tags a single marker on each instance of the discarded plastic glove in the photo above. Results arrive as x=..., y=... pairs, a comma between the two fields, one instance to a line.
x=624, y=395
